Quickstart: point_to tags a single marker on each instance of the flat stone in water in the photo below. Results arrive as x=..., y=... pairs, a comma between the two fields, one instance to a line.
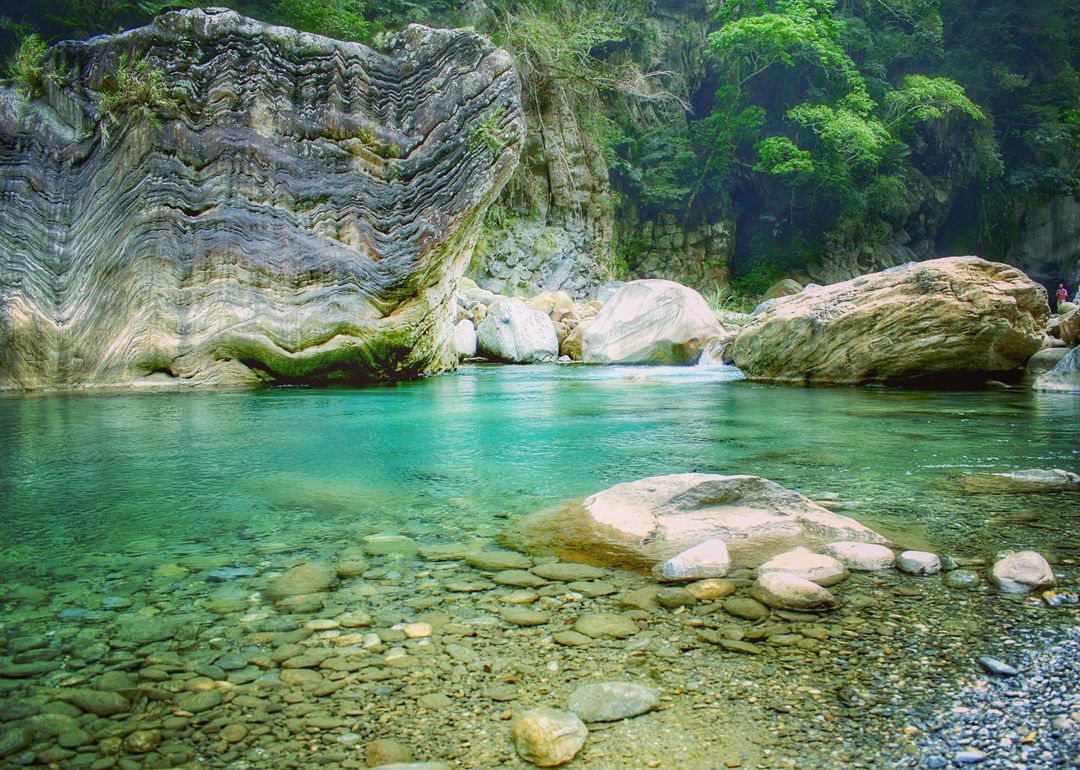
x=612, y=701
x=571, y=639
x=593, y=588
x=517, y=578
x=745, y=608
x=675, y=597
x=197, y=702
x=101, y=703
x=962, y=579
x=519, y=616
x=137, y=631
x=567, y=572
x=548, y=737
x=494, y=561
x=736, y=645
x=601, y=625
x=997, y=667
x=116, y=602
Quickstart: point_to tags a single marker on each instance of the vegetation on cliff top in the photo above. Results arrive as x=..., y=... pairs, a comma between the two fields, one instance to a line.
x=816, y=124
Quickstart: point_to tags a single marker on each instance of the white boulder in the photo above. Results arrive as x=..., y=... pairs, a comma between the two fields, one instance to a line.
x=1022, y=573
x=651, y=322
x=465, y=339
x=862, y=557
x=918, y=563
x=782, y=591
x=801, y=562
x=705, y=560
x=517, y=334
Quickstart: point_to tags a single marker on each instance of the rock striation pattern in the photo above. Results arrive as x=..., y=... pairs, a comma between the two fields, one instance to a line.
x=956, y=317
x=303, y=213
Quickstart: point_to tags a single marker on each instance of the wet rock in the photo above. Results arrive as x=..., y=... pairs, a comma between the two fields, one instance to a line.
x=494, y=561
x=1030, y=481
x=519, y=616
x=1021, y=573
x=651, y=322
x=548, y=737
x=789, y=592
x=997, y=667
x=198, y=702
x=711, y=588
x=572, y=639
x=311, y=578
x=605, y=625
x=465, y=338
x=746, y=608
x=709, y=559
x=643, y=598
x=918, y=563
x=137, y=631
x=612, y=701
x=675, y=597
x=567, y=572
x=101, y=703
x=801, y=562
x=142, y=741
x=384, y=751
x=969, y=757
x=15, y=740
x=649, y=521
x=964, y=579
x=864, y=557
x=1064, y=377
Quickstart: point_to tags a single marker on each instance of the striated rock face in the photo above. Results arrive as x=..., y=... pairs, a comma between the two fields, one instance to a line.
x=945, y=318
x=642, y=523
x=303, y=214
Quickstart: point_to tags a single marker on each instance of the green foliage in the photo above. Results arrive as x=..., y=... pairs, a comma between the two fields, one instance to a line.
x=340, y=19
x=137, y=91
x=488, y=133
x=26, y=69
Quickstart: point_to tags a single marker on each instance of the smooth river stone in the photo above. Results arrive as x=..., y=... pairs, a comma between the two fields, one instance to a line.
x=567, y=572
x=612, y=701
x=518, y=616
x=918, y=563
x=789, y=592
x=1021, y=573
x=863, y=557
x=606, y=625
x=313, y=577
x=709, y=559
x=548, y=737
x=801, y=562
x=496, y=561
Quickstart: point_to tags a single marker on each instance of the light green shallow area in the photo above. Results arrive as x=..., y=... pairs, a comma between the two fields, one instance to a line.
x=88, y=476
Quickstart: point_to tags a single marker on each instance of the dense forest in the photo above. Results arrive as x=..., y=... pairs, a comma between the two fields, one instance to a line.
x=816, y=127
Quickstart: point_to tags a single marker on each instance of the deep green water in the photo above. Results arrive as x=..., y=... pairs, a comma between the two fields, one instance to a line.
x=83, y=477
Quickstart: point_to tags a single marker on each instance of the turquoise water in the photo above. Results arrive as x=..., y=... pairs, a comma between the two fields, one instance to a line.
x=85, y=476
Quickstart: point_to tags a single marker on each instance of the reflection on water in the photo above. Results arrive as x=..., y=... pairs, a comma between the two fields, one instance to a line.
x=140, y=473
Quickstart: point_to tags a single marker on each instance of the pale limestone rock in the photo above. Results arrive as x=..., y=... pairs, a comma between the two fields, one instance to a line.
x=303, y=213
x=1022, y=573
x=571, y=346
x=780, y=590
x=953, y=317
x=548, y=737
x=465, y=338
x=1064, y=377
x=862, y=557
x=643, y=523
x=918, y=563
x=516, y=334
x=801, y=562
x=709, y=559
x=612, y=701
x=651, y=322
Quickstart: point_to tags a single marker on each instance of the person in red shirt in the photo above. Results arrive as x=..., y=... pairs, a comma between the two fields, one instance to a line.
x=1062, y=294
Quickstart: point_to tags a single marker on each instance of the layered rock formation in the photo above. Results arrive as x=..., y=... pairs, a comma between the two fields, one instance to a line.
x=640, y=524
x=302, y=214
x=956, y=317
x=1064, y=377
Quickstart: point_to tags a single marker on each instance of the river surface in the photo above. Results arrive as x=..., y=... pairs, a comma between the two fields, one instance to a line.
x=282, y=578
x=458, y=454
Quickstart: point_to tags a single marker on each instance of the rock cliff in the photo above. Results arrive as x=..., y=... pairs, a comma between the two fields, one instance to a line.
x=300, y=211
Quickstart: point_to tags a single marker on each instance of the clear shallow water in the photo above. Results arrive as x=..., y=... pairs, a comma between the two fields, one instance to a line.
x=164, y=475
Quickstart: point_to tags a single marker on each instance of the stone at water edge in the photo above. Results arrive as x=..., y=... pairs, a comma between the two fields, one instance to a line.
x=964, y=579
x=646, y=522
x=415, y=766
x=997, y=667
x=918, y=563
x=804, y=563
x=1045, y=360
x=863, y=557
x=709, y=559
x=465, y=338
x=789, y=592
x=496, y=561
x=746, y=608
x=310, y=578
x=946, y=318
x=605, y=625
x=612, y=701
x=516, y=334
x=299, y=256
x=651, y=322
x=1022, y=573
x=1063, y=378
x=548, y=737
x=384, y=751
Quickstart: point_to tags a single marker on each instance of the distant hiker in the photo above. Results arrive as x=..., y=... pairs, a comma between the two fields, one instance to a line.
x=1062, y=294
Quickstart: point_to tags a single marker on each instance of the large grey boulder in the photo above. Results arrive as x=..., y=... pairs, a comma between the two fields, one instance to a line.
x=517, y=334
x=302, y=211
x=1064, y=377
x=1022, y=572
x=651, y=322
x=783, y=591
x=956, y=317
x=465, y=338
x=642, y=523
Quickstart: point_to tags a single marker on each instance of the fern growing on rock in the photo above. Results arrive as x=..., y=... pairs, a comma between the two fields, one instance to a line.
x=137, y=90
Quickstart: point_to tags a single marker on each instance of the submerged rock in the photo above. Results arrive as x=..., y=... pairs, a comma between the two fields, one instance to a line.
x=612, y=701
x=1019, y=482
x=642, y=523
x=303, y=211
x=864, y=557
x=918, y=563
x=815, y=567
x=651, y=322
x=548, y=737
x=310, y=578
x=517, y=334
x=782, y=591
x=944, y=318
x=1022, y=573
